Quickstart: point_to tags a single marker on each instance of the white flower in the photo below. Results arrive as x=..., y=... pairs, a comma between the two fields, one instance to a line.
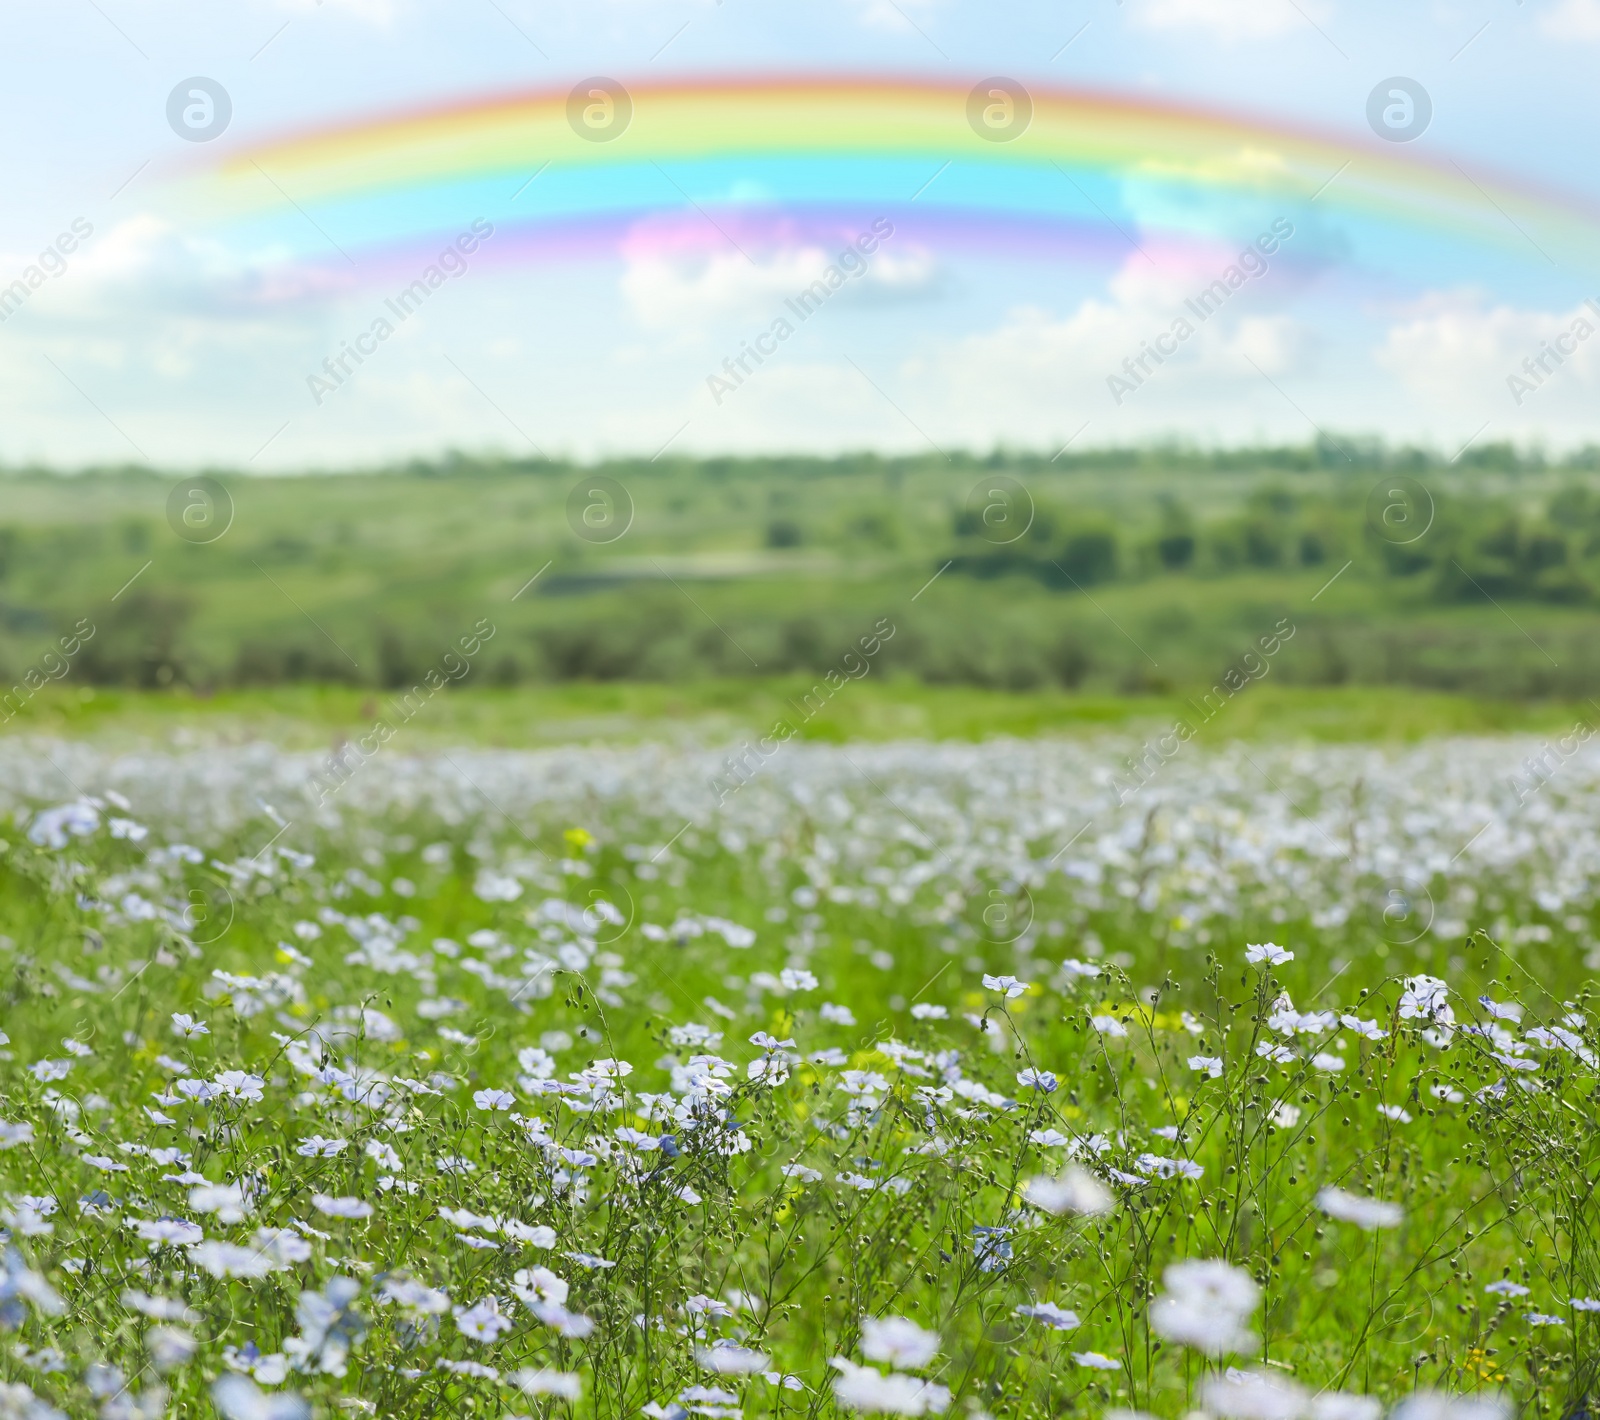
x=1207, y=1064
x=225, y=1259
x=1342, y=1405
x=1424, y=998
x=769, y=1070
x=573, y=1325
x=1008, y=985
x=1206, y=1306
x=172, y=1231
x=1499, y=1010
x=898, y=1341
x=568, y=1385
x=1286, y=1020
x=767, y=1041
x=11, y=1135
x=1368, y=1213
x=925, y=1011
x=1108, y=1025
x=1041, y=1080
x=476, y=1369
x=1394, y=1112
x=239, y=1399
x=1094, y=1361
x=862, y=1388
x=1330, y=1064
x=1367, y=1029
x=1253, y=1395
x=28, y=1215
x=170, y=1347
x=1431, y=1405
x=188, y=1028
x=796, y=978
x=226, y=1200
x=340, y=1207
x=839, y=1015
x=384, y=1154
x=863, y=1082
x=536, y=1063
x=283, y=1246
x=1559, y=1038
x=1075, y=1191
x=50, y=828
x=158, y=1308
x=1057, y=1318
x=1506, y=1288
x=483, y=1320
x=414, y=1296
x=104, y=1163
x=726, y=1359
x=538, y=1284
x=1168, y=1168
x=316, y=1147
x=1268, y=952
x=493, y=1099
x=491, y=886
x=241, y=1085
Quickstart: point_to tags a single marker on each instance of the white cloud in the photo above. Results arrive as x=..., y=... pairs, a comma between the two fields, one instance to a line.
x=1456, y=354
x=1232, y=19
x=148, y=306
x=1276, y=345
x=190, y=352
x=145, y=266
x=667, y=294
x=778, y=408
x=663, y=292
x=896, y=16
x=1038, y=375
x=1572, y=19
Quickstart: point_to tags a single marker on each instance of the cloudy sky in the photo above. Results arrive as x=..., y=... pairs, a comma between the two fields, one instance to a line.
x=188, y=326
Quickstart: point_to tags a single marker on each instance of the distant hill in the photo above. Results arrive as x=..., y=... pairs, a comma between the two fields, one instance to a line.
x=1134, y=571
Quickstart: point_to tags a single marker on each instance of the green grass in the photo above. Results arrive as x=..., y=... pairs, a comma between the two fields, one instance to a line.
x=874, y=708
x=767, y=568
x=373, y=970
x=1491, y=1187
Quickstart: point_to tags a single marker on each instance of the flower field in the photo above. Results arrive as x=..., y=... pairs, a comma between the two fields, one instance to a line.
x=989, y=1080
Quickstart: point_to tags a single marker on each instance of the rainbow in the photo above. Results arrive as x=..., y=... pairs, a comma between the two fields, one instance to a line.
x=746, y=165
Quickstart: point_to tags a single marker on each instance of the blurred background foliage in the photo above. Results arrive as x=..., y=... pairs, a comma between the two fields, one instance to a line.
x=1144, y=573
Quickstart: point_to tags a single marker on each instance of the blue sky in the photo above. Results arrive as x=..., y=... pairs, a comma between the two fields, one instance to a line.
x=141, y=349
